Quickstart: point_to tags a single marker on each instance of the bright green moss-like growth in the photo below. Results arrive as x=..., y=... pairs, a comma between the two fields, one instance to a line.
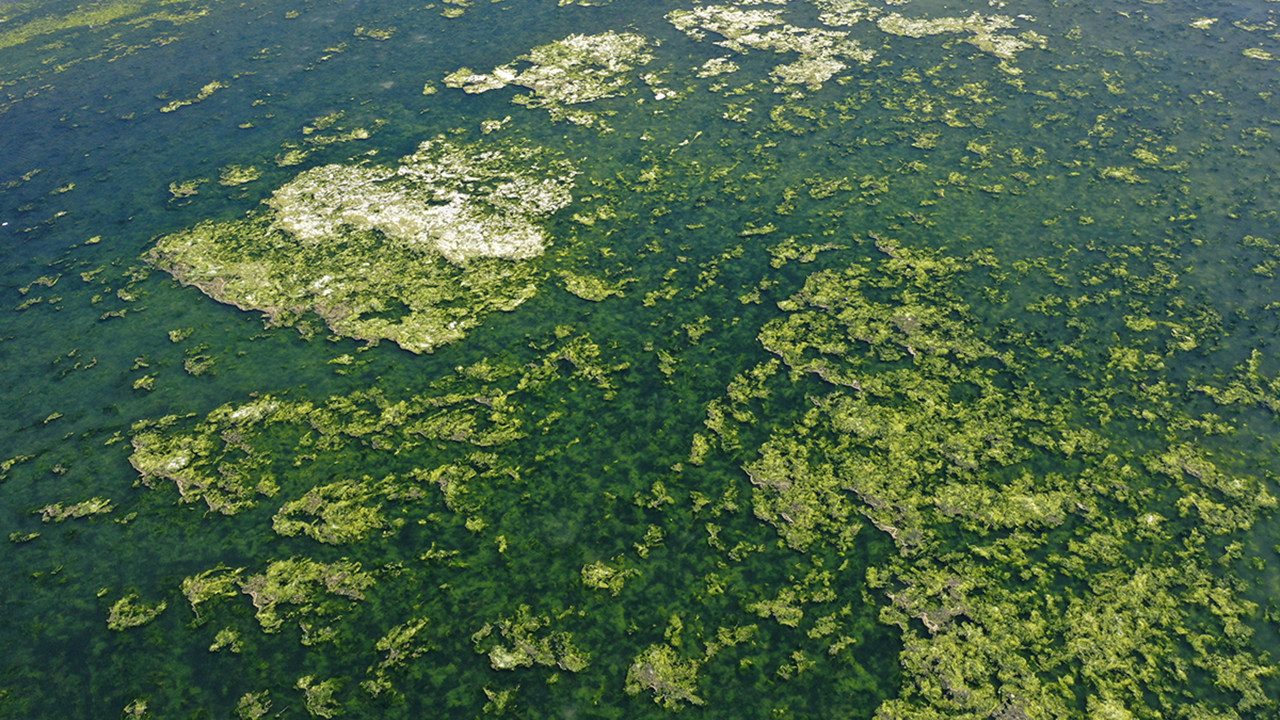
x=672, y=678
x=417, y=254
x=519, y=643
x=128, y=612
x=252, y=706
x=93, y=506
x=220, y=582
x=233, y=175
x=298, y=582
x=591, y=287
x=318, y=698
x=336, y=514
x=984, y=32
x=578, y=69
x=1022, y=619
x=600, y=575
x=823, y=53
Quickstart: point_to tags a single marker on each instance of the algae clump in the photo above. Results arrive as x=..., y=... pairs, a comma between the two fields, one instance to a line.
x=417, y=254
x=128, y=612
x=578, y=69
x=340, y=511
x=672, y=678
x=57, y=512
x=298, y=582
x=525, y=646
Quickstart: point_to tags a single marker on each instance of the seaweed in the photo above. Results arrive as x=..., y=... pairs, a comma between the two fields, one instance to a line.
x=58, y=513
x=318, y=696
x=417, y=254
x=129, y=612
x=298, y=582
x=518, y=644
x=672, y=679
x=578, y=69
x=340, y=513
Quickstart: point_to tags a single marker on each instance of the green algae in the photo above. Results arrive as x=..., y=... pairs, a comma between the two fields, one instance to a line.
x=229, y=639
x=402, y=643
x=58, y=512
x=521, y=641
x=886, y=444
x=336, y=514
x=672, y=679
x=298, y=582
x=1248, y=385
x=590, y=287
x=185, y=188
x=233, y=175
x=823, y=53
x=204, y=94
x=129, y=612
x=87, y=17
x=318, y=696
x=1013, y=423
x=252, y=706
x=578, y=69
x=462, y=202
x=440, y=237
x=600, y=575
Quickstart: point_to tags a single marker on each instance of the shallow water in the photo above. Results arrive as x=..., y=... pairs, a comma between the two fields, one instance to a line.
x=931, y=380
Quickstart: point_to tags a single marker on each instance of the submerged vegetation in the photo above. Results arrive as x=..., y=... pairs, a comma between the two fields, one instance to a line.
x=811, y=359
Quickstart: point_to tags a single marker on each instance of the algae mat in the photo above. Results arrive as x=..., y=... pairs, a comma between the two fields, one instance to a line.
x=755, y=358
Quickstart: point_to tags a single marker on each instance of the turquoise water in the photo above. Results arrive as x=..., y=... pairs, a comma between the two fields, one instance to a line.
x=927, y=391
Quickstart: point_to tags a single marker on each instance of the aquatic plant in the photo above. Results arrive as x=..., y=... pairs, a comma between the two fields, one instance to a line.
x=418, y=254
x=578, y=69
x=128, y=612
x=672, y=679
x=524, y=647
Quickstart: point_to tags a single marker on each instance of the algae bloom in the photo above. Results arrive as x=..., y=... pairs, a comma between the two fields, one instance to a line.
x=417, y=253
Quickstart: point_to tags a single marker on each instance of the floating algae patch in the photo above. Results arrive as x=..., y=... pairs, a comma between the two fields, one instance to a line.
x=823, y=53
x=317, y=696
x=730, y=22
x=233, y=175
x=220, y=461
x=99, y=14
x=58, y=512
x=335, y=514
x=417, y=254
x=987, y=451
x=672, y=679
x=578, y=69
x=129, y=612
x=984, y=32
x=202, y=465
x=521, y=641
x=458, y=201
x=600, y=575
x=1070, y=583
x=592, y=287
x=299, y=584
x=717, y=66
x=205, y=93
